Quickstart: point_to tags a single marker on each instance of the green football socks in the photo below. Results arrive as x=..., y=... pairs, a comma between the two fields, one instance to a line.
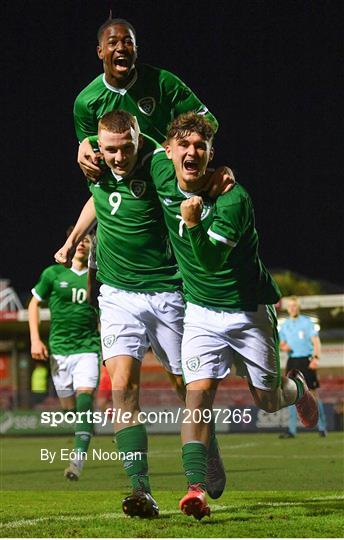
x=194, y=456
x=84, y=428
x=133, y=442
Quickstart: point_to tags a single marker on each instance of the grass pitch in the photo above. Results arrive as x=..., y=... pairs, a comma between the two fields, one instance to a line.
x=276, y=488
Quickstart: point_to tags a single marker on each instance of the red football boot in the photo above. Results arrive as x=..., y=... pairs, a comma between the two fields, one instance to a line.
x=307, y=406
x=195, y=503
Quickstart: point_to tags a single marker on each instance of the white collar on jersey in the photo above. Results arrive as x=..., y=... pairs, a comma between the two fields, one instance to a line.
x=124, y=90
x=79, y=272
x=187, y=194
x=117, y=176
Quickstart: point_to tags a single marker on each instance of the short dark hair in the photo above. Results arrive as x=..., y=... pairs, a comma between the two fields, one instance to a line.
x=117, y=121
x=71, y=227
x=112, y=22
x=190, y=122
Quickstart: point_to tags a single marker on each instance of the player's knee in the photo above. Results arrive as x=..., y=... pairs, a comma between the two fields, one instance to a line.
x=123, y=381
x=86, y=390
x=126, y=397
x=198, y=398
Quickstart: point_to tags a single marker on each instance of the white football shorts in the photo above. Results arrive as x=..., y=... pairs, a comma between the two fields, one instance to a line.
x=214, y=340
x=131, y=322
x=74, y=371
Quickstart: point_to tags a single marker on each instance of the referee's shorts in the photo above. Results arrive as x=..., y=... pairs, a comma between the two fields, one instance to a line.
x=302, y=363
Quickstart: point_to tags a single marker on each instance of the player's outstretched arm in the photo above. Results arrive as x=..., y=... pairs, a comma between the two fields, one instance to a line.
x=219, y=181
x=38, y=349
x=85, y=222
x=211, y=256
x=88, y=160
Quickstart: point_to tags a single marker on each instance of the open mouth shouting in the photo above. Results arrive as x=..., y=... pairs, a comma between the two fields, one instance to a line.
x=191, y=166
x=122, y=63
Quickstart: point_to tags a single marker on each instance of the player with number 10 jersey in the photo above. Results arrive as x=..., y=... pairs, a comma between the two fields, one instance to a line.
x=73, y=343
x=73, y=320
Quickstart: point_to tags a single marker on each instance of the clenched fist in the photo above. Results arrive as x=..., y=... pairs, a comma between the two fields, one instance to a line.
x=65, y=255
x=191, y=210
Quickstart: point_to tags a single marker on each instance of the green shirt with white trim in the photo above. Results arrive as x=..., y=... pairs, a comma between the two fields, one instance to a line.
x=242, y=281
x=133, y=249
x=74, y=323
x=155, y=96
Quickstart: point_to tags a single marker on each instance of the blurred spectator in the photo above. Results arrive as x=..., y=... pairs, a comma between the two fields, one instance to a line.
x=39, y=383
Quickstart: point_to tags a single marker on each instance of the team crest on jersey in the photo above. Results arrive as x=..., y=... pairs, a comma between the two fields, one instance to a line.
x=207, y=206
x=137, y=188
x=63, y=284
x=108, y=341
x=193, y=364
x=146, y=105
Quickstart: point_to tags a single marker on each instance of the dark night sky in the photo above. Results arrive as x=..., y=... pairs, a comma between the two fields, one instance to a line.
x=269, y=70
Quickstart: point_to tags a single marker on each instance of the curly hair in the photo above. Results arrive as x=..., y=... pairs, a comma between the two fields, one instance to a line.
x=190, y=122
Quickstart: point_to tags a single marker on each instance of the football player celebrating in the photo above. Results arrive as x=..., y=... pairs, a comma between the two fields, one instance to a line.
x=151, y=94
x=140, y=301
x=229, y=294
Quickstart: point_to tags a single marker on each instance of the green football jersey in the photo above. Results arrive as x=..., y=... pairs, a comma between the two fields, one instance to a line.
x=242, y=282
x=155, y=96
x=133, y=251
x=74, y=323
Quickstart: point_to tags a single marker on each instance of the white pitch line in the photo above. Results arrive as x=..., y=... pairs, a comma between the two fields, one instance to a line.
x=223, y=447
x=110, y=515
x=300, y=503
x=282, y=456
x=329, y=498
x=35, y=521
x=113, y=515
x=235, y=446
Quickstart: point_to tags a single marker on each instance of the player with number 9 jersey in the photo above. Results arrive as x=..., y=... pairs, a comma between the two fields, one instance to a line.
x=133, y=251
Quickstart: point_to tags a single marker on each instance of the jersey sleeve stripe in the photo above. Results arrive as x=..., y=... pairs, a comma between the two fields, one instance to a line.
x=36, y=295
x=157, y=150
x=144, y=159
x=220, y=238
x=203, y=111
